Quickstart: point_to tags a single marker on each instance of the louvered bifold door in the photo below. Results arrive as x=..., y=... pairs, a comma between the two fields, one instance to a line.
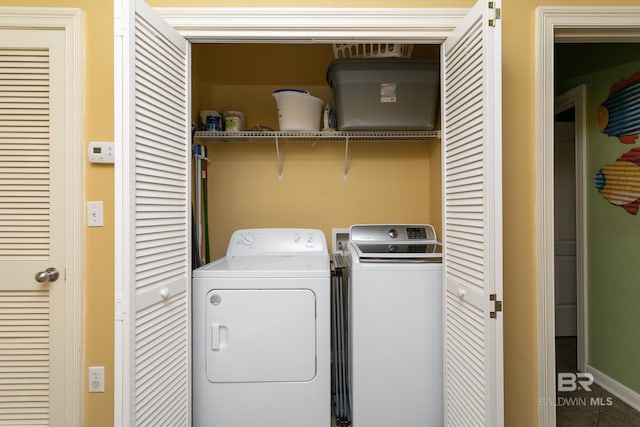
x=472, y=220
x=32, y=227
x=153, y=221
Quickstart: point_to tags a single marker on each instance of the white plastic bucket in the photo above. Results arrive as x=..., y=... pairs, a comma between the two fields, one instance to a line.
x=233, y=121
x=298, y=110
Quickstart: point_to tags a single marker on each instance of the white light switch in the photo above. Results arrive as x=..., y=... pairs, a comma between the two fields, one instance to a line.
x=95, y=216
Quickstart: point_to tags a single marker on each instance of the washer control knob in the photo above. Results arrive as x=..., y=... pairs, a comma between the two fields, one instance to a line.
x=393, y=233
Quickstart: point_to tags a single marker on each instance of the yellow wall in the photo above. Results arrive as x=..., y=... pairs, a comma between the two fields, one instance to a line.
x=387, y=181
x=98, y=125
x=519, y=188
x=519, y=226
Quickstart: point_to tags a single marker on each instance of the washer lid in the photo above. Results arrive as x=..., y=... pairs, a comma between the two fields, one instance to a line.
x=366, y=252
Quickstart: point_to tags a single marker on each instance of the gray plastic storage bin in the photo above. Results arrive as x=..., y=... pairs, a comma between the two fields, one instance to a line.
x=385, y=94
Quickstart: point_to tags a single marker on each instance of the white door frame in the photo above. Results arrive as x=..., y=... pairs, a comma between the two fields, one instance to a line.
x=576, y=24
x=71, y=21
x=313, y=25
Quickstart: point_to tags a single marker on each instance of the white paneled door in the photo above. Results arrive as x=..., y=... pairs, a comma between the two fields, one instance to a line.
x=472, y=220
x=153, y=217
x=38, y=351
x=565, y=236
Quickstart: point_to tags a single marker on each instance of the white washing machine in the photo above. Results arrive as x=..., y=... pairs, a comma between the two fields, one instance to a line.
x=395, y=326
x=261, y=332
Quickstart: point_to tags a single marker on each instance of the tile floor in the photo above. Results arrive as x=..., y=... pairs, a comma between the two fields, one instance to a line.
x=576, y=409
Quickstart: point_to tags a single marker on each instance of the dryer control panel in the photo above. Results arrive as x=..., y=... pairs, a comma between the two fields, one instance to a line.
x=277, y=242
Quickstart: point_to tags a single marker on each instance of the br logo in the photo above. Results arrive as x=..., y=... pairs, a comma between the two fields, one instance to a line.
x=571, y=381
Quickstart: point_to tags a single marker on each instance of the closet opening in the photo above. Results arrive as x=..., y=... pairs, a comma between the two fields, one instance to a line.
x=261, y=182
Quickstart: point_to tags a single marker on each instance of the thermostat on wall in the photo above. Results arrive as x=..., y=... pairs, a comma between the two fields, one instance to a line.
x=100, y=152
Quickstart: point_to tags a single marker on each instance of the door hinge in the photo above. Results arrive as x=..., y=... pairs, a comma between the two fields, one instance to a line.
x=495, y=14
x=119, y=27
x=497, y=306
x=121, y=309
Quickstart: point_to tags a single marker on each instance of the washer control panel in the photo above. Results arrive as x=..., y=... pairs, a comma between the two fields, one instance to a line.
x=277, y=241
x=392, y=232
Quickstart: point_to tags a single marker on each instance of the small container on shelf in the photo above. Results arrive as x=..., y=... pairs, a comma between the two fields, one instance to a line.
x=210, y=120
x=234, y=121
x=298, y=110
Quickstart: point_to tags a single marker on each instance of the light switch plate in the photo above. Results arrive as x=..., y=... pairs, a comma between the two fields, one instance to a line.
x=95, y=214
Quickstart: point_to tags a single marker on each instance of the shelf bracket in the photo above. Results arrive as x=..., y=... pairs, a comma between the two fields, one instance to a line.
x=345, y=167
x=279, y=159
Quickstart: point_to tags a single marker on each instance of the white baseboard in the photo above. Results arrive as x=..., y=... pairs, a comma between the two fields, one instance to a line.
x=621, y=391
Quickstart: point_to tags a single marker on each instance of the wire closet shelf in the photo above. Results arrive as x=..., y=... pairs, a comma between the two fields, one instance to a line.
x=315, y=136
x=328, y=136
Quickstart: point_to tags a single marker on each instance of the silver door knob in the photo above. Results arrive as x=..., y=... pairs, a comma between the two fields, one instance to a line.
x=51, y=274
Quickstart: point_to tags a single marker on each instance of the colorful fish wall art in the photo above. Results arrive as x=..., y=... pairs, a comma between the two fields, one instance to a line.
x=619, y=114
x=619, y=182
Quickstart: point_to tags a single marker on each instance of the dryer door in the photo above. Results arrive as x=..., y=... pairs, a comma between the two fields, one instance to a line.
x=260, y=335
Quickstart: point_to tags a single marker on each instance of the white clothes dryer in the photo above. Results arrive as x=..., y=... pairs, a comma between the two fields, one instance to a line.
x=261, y=332
x=395, y=314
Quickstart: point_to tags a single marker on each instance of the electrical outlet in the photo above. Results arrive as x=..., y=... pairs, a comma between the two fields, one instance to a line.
x=96, y=379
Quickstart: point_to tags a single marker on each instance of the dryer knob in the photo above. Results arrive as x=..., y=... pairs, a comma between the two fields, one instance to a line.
x=393, y=233
x=247, y=239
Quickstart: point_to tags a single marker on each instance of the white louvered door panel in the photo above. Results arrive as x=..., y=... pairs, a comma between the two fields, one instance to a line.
x=472, y=220
x=32, y=227
x=153, y=268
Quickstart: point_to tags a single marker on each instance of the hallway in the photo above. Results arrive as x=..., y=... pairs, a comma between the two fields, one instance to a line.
x=595, y=408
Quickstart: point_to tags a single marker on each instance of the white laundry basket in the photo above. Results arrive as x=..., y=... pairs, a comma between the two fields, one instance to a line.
x=298, y=110
x=372, y=50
